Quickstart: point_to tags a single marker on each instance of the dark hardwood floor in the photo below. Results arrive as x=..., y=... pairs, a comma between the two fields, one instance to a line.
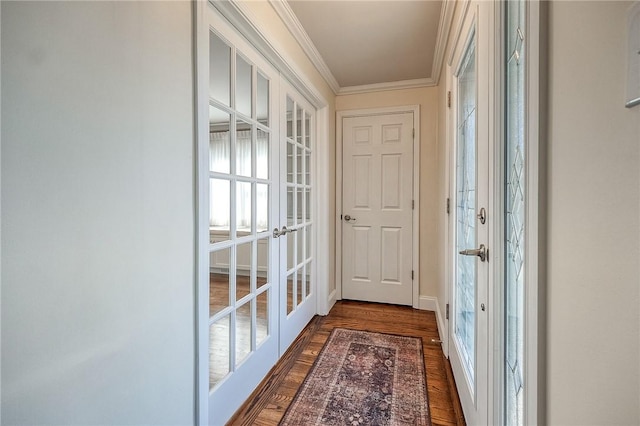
x=267, y=404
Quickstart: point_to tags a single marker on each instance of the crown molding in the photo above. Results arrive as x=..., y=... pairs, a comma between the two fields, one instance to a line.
x=294, y=26
x=458, y=33
x=391, y=85
x=444, y=27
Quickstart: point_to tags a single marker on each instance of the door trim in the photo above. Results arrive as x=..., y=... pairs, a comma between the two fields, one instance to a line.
x=336, y=294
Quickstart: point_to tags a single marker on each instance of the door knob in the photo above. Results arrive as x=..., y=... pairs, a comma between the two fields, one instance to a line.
x=349, y=218
x=481, y=252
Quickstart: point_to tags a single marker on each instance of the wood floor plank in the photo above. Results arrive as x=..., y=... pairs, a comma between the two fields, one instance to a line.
x=269, y=401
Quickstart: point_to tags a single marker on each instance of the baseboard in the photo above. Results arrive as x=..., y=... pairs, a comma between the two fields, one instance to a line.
x=430, y=303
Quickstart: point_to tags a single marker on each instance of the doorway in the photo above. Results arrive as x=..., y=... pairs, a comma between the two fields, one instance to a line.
x=378, y=205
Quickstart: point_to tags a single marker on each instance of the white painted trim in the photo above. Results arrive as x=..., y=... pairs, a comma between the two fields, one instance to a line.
x=430, y=303
x=444, y=26
x=392, y=85
x=294, y=26
x=458, y=33
x=237, y=13
x=340, y=116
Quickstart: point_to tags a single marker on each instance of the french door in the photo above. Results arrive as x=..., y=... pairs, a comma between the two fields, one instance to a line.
x=468, y=348
x=256, y=234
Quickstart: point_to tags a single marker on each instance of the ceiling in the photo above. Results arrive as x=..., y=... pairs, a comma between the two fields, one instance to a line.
x=366, y=44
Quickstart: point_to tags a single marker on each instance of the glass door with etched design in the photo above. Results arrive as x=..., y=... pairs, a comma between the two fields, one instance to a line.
x=298, y=295
x=242, y=208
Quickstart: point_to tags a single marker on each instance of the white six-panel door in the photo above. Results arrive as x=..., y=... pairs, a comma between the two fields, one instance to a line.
x=377, y=208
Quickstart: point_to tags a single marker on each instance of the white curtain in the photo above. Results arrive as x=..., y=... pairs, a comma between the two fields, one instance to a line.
x=219, y=160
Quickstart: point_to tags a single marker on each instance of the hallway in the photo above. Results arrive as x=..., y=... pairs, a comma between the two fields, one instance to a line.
x=268, y=403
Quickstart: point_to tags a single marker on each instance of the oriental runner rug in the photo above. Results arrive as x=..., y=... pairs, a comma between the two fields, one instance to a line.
x=363, y=378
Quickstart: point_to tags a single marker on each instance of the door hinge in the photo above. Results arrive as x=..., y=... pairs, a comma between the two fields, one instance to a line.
x=449, y=99
x=414, y=133
x=413, y=204
x=448, y=205
x=446, y=311
x=412, y=275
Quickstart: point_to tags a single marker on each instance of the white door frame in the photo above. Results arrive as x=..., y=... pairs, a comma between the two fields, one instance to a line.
x=336, y=294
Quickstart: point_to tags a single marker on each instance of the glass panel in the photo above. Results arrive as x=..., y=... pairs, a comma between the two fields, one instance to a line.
x=243, y=208
x=243, y=270
x=307, y=130
x=219, y=210
x=290, y=161
x=262, y=106
x=262, y=317
x=289, y=118
x=219, y=358
x=308, y=240
x=299, y=160
x=219, y=143
x=290, y=288
x=291, y=241
x=307, y=202
x=299, y=116
x=300, y=236
x=290, y=204
x=219, y=69
x=219, y=283
x=299, y=287
x=263, y=262
x=515, y=215
x=466, y=211
x=299, y=203
x=307, y=168
x=262, y=155
x=243, y=332
x=262, y=207
x=307, y=279
x=243, y=148
x=243, y=86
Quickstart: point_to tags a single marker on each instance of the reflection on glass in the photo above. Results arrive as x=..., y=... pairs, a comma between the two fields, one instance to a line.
x=289, y=118
x=299, y=116
x=263, y=262
x=243, y=207
x=290, y=204
x=262, y=155
x=307, y=279
x=219, y=283
x=243, y=148
x=291, y=281
x=262, y=207
x=243, y=86
x=299, y=160
x=262, y=317
x=300, y=251
x=308, y=242
x=307, y=202
x=299, y=203
x=243, y=270
x=262, y=106
x=219, y=358
x=307, y=130
x=291, y=247
x=290, y=159
x=307, y=168
x=219, y=69
x=219, y=143
x=243, y=332
x=219, y=209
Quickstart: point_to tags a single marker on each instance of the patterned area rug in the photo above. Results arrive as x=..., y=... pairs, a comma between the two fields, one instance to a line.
x=363, y=378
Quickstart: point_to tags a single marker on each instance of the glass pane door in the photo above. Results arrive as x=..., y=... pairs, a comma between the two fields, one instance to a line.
x=514, y=197
x=466, y=273
x=242, y=254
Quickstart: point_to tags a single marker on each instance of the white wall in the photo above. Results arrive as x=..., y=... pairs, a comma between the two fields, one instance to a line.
x=97, y=213
x=594, y=220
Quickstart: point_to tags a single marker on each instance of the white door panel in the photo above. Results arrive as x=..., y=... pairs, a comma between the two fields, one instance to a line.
x=377, y=208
